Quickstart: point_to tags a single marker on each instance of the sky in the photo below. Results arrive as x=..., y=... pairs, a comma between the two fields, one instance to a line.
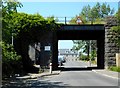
x=65, y=44
x=61, y=9
x=58, y=9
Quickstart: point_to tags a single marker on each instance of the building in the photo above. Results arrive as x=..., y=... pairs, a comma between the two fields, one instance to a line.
x=68, y=52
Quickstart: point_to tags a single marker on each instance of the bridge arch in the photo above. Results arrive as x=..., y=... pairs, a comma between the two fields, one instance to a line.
x=81, y=32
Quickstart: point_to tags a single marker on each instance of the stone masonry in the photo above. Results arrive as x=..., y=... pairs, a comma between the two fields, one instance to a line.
x=110, y=46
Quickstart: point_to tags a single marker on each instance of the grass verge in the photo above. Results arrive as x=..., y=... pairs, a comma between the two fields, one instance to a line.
x=114, y=68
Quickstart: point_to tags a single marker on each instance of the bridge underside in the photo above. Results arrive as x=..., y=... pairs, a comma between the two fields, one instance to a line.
x=80, y=32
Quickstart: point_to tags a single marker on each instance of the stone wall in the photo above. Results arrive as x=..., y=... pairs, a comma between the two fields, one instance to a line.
x=110, y=46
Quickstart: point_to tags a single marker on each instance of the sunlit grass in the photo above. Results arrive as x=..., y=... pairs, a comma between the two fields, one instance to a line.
x=114, y=68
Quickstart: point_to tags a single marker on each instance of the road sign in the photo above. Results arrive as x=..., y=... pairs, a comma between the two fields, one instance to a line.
x=79, y=21
x=47, y=48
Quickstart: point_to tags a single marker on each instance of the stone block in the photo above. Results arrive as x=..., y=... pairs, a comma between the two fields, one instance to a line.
x=118, y=59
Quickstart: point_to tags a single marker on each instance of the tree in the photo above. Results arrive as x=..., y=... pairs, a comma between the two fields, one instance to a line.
x=23, y=26
x=9, y=7
x=116, y=29
x=11, y=61
x=84, y=45
x=106, y=10
x=95, y=13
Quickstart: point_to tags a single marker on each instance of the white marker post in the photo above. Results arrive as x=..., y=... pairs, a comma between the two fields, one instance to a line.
x=50, y=68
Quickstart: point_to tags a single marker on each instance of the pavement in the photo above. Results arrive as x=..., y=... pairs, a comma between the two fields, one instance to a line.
x=103, y=72
x=33, y=76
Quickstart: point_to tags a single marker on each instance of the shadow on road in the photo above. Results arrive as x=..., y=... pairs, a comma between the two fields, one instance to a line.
x=77, y=69
x=31, y=83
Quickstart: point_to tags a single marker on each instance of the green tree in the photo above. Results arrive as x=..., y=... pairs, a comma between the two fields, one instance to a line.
x=116, y=29
x=84, y=45
x=106, y=10
x=95, y=13
x=11, y=62
x=9, y=7
x=23, y=26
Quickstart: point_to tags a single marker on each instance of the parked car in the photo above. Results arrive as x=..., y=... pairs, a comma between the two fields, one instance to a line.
x=64, y=59
x=61, y=60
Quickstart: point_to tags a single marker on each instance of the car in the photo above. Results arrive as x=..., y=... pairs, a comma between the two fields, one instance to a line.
x=64, y=59
x=61, y=60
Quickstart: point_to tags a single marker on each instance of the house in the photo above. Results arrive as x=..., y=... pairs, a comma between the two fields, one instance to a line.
x=68, y=52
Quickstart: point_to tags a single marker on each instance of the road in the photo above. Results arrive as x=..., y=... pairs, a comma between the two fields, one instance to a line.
x=77, y=64
x=83, y=78
x=79, y=78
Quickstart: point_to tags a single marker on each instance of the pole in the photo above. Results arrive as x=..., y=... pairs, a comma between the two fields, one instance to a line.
x=90, y=53
x=50, y=68
x=12, y=38
x=65, y=20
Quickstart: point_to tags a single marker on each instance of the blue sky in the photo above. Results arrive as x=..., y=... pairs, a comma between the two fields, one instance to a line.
x=60, y=9
x=65, y=44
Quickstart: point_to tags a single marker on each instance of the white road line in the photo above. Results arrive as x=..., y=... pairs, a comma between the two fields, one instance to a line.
x=106, y=75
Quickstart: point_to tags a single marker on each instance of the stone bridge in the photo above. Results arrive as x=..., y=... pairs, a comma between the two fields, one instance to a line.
x=100, y=32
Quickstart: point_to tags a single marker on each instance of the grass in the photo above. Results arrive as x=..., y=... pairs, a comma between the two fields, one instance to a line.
x=94, y=62
x=114, y=68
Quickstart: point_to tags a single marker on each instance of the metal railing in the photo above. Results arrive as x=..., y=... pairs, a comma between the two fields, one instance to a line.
x=73, y=20
x=62, y=20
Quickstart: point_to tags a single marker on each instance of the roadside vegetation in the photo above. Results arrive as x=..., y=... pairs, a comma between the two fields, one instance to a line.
x=95, y=14
x=114, y=68
x=14, y=25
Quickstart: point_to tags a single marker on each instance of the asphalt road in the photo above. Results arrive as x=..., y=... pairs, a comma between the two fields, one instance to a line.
x=79, y=78
x=77, y=64
x=67, y=79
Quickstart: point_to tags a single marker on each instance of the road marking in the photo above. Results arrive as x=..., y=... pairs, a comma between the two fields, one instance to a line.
x=106, y=75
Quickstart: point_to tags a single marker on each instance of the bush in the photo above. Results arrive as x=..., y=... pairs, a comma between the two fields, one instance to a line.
x=11, y=62
x=114, y=68
x=84, y=57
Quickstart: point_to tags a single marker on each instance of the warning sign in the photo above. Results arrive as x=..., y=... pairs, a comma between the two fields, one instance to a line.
x=79, y=20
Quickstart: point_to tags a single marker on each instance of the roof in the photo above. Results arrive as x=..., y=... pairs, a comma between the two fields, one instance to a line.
x=68, y=52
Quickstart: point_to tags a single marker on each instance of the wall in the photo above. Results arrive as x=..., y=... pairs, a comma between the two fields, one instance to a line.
x=110, y=47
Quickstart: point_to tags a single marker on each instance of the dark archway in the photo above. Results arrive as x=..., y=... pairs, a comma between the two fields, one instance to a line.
x=80, y=32
x=26, y=38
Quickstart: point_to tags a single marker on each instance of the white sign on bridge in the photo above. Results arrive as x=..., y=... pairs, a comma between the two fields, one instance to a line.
x=47, y=48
